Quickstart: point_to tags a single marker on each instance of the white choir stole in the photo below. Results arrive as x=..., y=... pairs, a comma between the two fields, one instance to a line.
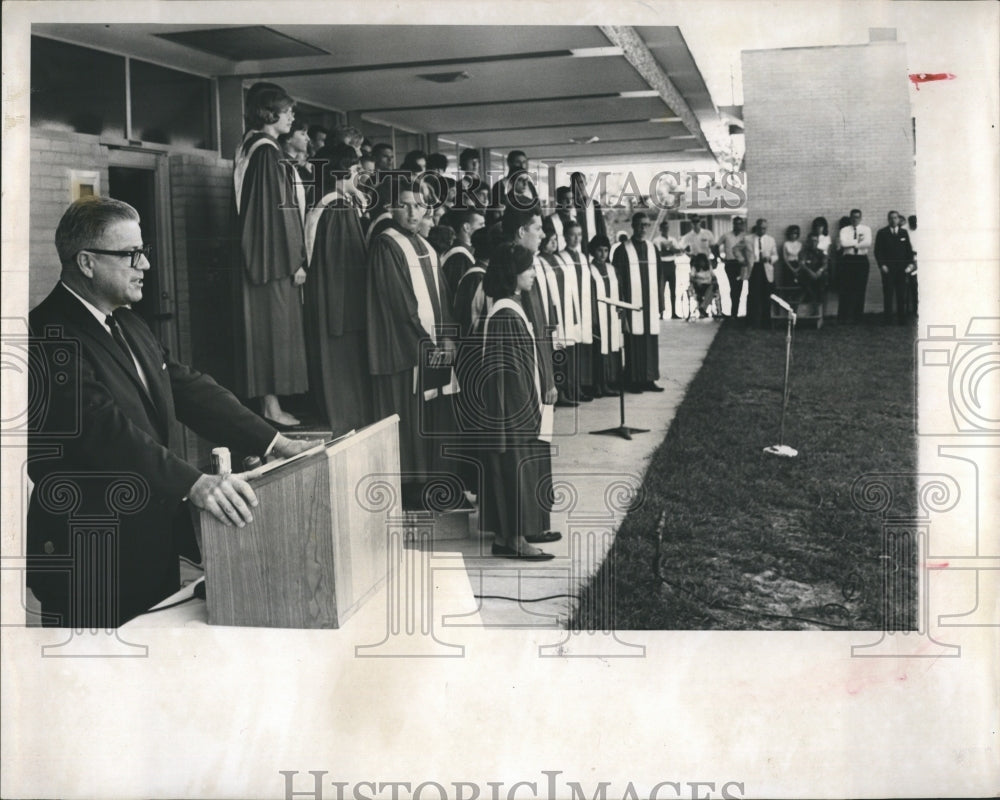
x=635, y=285
x=546, y=411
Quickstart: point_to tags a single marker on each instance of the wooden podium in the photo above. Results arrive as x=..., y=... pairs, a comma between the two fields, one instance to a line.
x=317, y=548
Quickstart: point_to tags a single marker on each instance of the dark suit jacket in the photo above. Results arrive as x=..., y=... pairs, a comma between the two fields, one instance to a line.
x=98, y=448
x=891, y=249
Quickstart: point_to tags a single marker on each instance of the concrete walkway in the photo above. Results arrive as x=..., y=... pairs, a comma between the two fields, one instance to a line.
x=595, y=480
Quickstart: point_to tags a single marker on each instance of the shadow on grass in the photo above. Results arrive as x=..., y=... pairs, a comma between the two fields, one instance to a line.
x=731, y=538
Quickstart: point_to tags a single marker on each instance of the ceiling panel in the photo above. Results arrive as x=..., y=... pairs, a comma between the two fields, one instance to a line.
x=496, y=81
x=605, y=109
x=610, y=148
x=536, y=136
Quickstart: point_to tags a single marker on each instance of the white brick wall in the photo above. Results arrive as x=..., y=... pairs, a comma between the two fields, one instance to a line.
x=828, y=129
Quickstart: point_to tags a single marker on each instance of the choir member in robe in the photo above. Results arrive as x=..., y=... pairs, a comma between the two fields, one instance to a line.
x=334, y=293
x=410, y=346
x=587, y=211
x=574, y=260
x=273, y=254
x=470, y=182
x=567, y=301
x=460, y=257
x=635, y=262
x=516, y=425
x=556, y=222
x=525, y=229
x=515, y=190
x=607, y=327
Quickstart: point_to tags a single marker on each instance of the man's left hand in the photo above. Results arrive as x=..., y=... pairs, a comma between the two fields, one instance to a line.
x=299, y=277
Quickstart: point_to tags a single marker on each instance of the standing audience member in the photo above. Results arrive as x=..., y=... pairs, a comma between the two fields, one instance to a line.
x=734, y=254
x=790, y=250
x=855, y=241
x=666, y=248
x=822, y=230
x=811, y=272
x=274, y=257
x=762, y=254
x=635, y=263
x=895, y=259
x=335, y=294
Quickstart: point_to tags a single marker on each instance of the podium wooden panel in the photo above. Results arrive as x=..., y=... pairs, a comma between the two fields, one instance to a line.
x=314, y=551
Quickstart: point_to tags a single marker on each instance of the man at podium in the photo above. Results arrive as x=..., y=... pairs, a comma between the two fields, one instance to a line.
x=99, y=434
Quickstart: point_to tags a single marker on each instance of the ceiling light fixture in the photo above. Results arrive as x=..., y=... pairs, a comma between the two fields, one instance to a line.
x=596, y=52
x=445, y=77
x=587, y=140
x=641, y=93
x=665, y=119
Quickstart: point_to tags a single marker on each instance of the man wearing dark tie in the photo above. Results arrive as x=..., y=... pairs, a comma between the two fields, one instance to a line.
x=894, y=256
x=111, y=421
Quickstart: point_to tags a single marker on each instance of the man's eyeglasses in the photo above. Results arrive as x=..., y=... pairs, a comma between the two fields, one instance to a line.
x=134, y=255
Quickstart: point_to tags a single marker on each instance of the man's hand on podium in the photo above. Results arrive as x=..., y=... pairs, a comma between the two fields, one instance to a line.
x=226, y=497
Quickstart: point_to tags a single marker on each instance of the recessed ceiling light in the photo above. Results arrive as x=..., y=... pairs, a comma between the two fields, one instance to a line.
x=665, y=119
x=694, y=150
x=587, y=140
x=685, y=136
x=641, y=93
x=445, y=77
x=596, y=52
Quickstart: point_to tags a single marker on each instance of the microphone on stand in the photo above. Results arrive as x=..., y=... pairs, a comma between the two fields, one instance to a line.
x=784, y=305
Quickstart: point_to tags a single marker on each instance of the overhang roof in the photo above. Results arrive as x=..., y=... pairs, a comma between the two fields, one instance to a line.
x=532, y=87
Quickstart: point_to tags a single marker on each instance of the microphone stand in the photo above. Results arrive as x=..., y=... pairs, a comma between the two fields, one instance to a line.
x=622, y=430
x=782, y=449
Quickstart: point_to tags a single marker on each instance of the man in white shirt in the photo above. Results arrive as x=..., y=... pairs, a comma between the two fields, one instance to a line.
x=855, y=241
x=666, y=248
x=762, y=254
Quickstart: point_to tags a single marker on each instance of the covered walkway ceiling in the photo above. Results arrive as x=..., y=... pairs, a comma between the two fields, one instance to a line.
x=575, y=93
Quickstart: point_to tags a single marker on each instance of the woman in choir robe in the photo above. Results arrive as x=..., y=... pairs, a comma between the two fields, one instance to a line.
x=606, y=350
x=589, y=212
x=335, y=293
x=568, y=299
x=273, y=254
x=516, y=425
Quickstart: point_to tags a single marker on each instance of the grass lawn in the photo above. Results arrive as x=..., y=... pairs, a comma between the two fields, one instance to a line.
x=726, y=537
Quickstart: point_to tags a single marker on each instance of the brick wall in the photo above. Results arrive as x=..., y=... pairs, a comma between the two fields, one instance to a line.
x=828, y=129
x=201, y=229
x=53, y=156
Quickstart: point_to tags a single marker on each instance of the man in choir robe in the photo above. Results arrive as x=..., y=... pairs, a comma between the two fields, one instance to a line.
x=337, y=280
x=410, y=346
x=460, y=257
x=560, y=284
x=525, y=228
x=470, y=182
x=635, y=262
x=573, y=257
x=469, y=311
x=556, y=222
x=516, y=189
x=588, y=211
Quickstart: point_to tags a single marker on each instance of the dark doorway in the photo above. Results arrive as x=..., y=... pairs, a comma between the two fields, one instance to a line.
x=137, y=187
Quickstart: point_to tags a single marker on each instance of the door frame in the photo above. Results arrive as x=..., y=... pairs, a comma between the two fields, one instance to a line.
x=157, y=163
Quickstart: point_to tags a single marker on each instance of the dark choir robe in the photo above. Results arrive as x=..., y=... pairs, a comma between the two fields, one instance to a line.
x=516, y=462
x=335, y=313
x=607, y=329
x=380, y=220
x=635, y=264
x=406, y=316
x=271, y=211
x=591, y=218
x=454, y=264
x=585, y=292
x=469, y=309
